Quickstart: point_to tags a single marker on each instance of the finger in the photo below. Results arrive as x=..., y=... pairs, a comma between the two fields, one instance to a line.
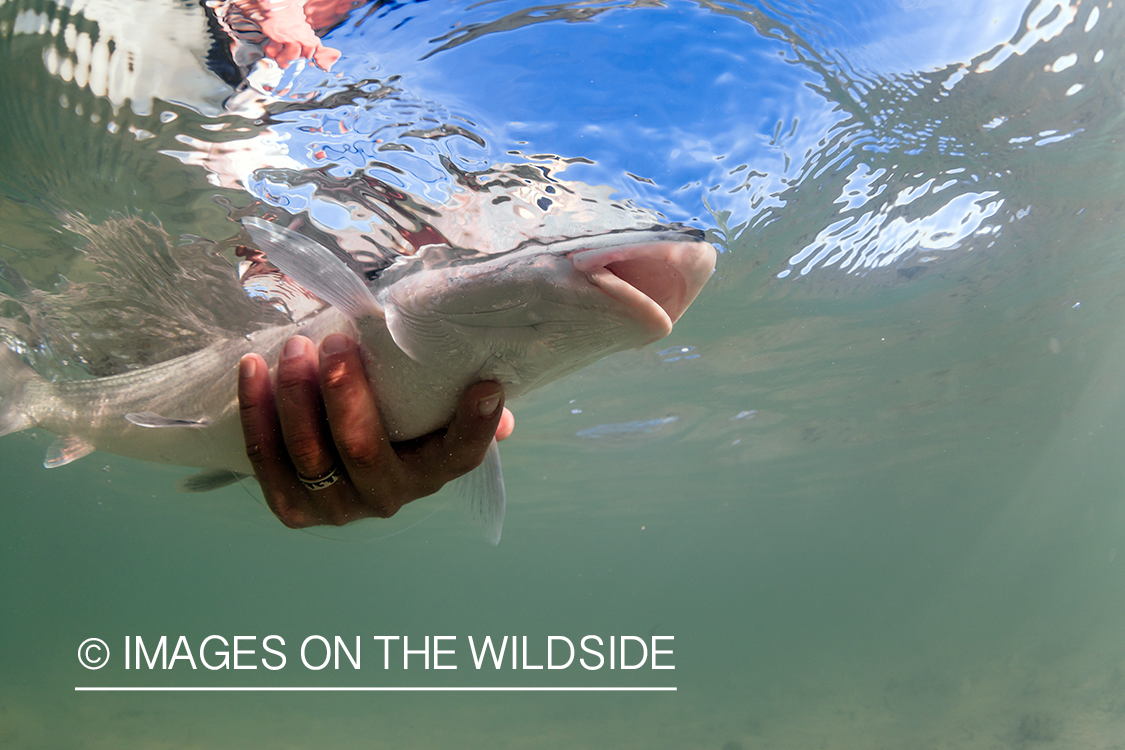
x=326, y=57
x=300, y=411
x=260, y=427
x=284, y=53
x=507, y=425
x=272, y=50
x=461, y=449
x=262, y=434
x=357, y=431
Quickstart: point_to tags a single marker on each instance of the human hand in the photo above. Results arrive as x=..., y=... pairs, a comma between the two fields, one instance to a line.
x=324, y=418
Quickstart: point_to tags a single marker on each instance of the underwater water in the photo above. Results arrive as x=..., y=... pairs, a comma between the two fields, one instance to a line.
x=871, y=486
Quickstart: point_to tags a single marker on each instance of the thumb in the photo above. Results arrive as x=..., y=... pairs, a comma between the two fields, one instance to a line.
x=474, y=426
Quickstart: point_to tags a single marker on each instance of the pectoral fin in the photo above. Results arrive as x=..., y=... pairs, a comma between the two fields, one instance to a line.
x=314, y=267
x=151, y=419
x=482, y=490
x=431, y=341
x=66, y=449
x=208, y=479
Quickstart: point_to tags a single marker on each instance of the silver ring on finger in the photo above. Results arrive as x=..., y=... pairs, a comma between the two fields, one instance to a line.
x=319, y=483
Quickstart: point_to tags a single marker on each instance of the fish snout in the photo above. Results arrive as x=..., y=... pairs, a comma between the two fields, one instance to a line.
x=658, y=279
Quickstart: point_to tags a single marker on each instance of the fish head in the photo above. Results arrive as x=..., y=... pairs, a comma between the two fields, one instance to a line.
x=534, y=314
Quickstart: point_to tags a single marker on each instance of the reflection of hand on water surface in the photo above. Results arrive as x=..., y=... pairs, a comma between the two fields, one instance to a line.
x=324, y=420
x=291, y=25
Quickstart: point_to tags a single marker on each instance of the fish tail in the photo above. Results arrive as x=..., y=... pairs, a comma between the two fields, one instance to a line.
x=14, y=377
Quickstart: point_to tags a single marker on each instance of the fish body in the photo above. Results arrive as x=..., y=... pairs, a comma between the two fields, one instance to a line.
x=199, y=389
x=524, y=318
x=430, y=325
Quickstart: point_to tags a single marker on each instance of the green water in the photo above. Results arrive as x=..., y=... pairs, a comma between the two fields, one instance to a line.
x=921, y=549
x=889, y=512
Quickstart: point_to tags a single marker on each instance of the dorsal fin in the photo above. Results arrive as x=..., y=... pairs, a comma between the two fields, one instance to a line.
x=314, y=267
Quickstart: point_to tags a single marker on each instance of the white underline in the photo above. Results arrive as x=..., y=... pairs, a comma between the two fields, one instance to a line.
x=126, y=689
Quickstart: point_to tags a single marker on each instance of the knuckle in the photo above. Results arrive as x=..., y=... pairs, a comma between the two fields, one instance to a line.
x=339, y=516
x=429, y=486
x=255, y=451
x=293, y=520
x=289, y=515
x=384, y=510
x=248, y=410
x=337, y=377
x=253, y=406
x=426, y=482
x=359, y=450
x=384, y=501
x=461, y=462
x=248, y=403
x=304, y=448
x=290, y=379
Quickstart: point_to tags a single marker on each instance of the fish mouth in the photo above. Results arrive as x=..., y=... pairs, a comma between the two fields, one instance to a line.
x=657, y=279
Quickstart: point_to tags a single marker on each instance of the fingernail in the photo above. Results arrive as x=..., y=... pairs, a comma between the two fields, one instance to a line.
x=486, y=407
x=294, y=347
x=334, y=343
x=247, y=366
